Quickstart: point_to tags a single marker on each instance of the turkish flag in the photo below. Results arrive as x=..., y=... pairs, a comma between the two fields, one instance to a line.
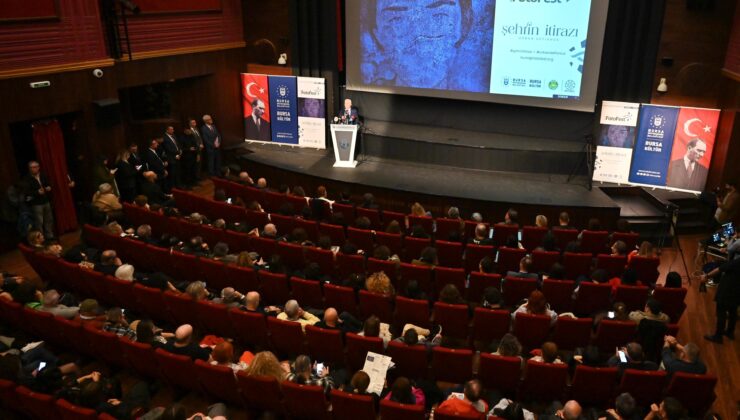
x=695, y=123
x=254, y=86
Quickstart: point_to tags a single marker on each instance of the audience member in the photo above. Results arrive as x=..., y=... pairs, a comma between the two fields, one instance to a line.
x=51, y=304
x=403, y=392
x=652, y=312
x=470, y=403
x=526, y=264
x=541, y=221
x=230, y=298
x=536, y=305
x=548, y=353
x=183, y=344
x=304, y=373
x=266, y=364
x=481, y=235
x=632, y=357
x=379, y=283
x=681, y=358
x=105, y=200
x=293, y=312
x=564, y=222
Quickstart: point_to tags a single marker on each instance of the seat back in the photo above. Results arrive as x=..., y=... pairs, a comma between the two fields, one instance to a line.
x=265, y=247
x=452, y=365
x=273, y=287
x=490, y=324
x=645, y=386
x=592, y=298
x=516, y=289
x=594, y=241
x=348, y=211
x=324, y=258
x=509, y=259
x=593, y=385
x=388, y=267
x=559, y=294
x=424, y=221
x=475, y=253
x=501, y=373
x=243, y=279
x=35, y=404
x=448, y=414
x=612, y=334
x=413, y=247
x=104, y=345
x=140, y=358
x=411, y=311
x=214, y=318
x=349, y=264
x=646, y=267
x=630, y=239
x=357, y=348
x=260, y=392
x=420, y=273
x=362, y=238
x=249, y=328
x=447, y=226
x=324, y=345
x=531, y=330
x=7, y=393
x=291, y=254
x=185, y=266
x=305, y=401
x=532, y=236
x=544, y=381
x=308, y=292
x=672, y=301
x=286, y=337
x=454, y=319
x=340, y=298
x=576, y=264
x=571, y=333
x=371, y=214
x=696, y=392
x=181, y=308
x=217, y=381
x=449, y=253
x=411, y=361
x=544, y=260
x=444, y=276
x=335, y=232
x=122, y=292
x=478, y=282
x=632, y=296
x=214, y=273
x=613, y=264
x=390, y=410
x=150, y=302
x=176, y=370
x=392, y=240
x=375, y=304
x=352, y=406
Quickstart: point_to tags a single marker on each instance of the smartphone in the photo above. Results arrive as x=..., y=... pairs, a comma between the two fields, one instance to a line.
x=622, y=356
x=41, y=367
x=228, y=200
x=610, y=314
x=519, y=236
x=319, y=368
x=490, y=233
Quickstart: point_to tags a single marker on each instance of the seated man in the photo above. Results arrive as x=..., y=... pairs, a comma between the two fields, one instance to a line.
x=652, y=312
x=153, y=191
x=678, y=358
x=109, y=263
x=293, y=312
x=481, y=236
x=253, y=305
x=183, y=344
x=635, y=359
x=304, y=372
x=669, y=409
x=525, y=267
x=572, y=410
x=470, y=403
x=230, y=297
x=144, y=234
x=117, y=324
x=344, y=322
x=625, y=408
x=88, y=314
x=51, y=304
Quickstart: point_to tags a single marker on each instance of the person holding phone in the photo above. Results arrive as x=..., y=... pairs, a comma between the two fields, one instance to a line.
x=307, y=373
x=631, y=357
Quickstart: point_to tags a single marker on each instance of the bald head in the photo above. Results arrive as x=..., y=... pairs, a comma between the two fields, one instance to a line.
x=270, y=230
x=262, y=183
x=183, y=334
x=572, y=410
x=51, y=298
x=331, y=317
x=253, y=300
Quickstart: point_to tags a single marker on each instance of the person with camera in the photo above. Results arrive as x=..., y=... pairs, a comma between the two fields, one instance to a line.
x=727, y=298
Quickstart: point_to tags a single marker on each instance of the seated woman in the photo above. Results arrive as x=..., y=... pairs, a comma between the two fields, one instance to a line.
x=105, y=200
x=403, y=392
x=147, y=333
x=548, y=353
x=223, y=355
x=266, y=364
x=536, y=305
x=380, y=283
x=304, y=373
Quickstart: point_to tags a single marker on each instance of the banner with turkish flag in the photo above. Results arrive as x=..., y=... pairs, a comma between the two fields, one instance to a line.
x=254, y=86
x=693, y=144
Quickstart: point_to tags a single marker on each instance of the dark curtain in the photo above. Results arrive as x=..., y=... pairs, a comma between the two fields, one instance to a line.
x=49, y=143
x=314, y=45
x=631, y=40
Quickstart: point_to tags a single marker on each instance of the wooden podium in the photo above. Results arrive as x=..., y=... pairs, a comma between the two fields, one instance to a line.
x=344, y=138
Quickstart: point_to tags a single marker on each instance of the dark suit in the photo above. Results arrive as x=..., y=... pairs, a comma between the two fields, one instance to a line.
x=155, y=163
x=126, y=180
x=173, y=153
x=154, y=194
x=349, y=117
x=728, y=297
x=678, y=177
x=212, y=141
x=257, y=133
x=39, y=204
x=189, y=160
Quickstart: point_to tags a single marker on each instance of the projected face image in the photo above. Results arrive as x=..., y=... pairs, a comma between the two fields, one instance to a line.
x=418, y=40
x=617, y=136
x=311, y=107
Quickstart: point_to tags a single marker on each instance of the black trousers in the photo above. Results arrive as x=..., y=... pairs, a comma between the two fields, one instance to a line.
x=726, y=318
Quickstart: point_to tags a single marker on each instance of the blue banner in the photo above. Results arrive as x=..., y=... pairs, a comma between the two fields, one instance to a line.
x=654, y=144
x=284, y=109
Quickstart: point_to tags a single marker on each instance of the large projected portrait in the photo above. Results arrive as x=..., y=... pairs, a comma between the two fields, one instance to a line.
x=433, y=44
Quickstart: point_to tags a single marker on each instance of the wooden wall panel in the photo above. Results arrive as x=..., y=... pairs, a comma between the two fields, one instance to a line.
x=76, y=37
x=28, y=9
x=732, y=60
x=267, y=30
x=159, y=6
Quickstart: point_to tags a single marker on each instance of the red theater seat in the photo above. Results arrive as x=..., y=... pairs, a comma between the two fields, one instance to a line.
x=501, y=373
x=449, y=253
x=672, y=301
x=249, y=328
x=509, y=259
x=577, y=264
x=392, y=241
x=307, y=292
x=696, y=392
x=217, y=381
x=593, y=386
x=645, y=386
x=452, y=365
x=490, y=324
x=340, y=298
x=592, y=298
x=411, y=311
x=544, y=260
x=516, y=289
x=502, y=233
x=261, y=392
x=531, y=330
x=594, y=241
x=479, y=282
x=454, y=319
x=475, y=253
x=411, y=361
x=532, y=237
x=390, y=410
x=176, y=370
x=305, y=401
x=357, y=348
x=559, y=294
x=286, y=337
x=544, y=381
x=375, y=304
x=324, y=345
x=571, y=333
x=352, y=406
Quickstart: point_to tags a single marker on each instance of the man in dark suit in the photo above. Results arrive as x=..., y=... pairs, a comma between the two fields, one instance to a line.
x=212, y=142
x=256, y=127
x=174, y=155
x=193, y=124
x=727, y=299
x=687, y=173
x=155, y=162
x=153, y=192
x=348, y=114
x=190, y=153
x=36, y=189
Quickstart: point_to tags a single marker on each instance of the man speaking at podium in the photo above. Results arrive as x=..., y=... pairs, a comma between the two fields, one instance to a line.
x=348, y=114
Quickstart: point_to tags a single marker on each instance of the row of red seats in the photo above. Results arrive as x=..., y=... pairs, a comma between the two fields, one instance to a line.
x=43, y=406
x=277, y=288
x=593, y=242
x=287, y=338
x=540, y=381
x=450, y=254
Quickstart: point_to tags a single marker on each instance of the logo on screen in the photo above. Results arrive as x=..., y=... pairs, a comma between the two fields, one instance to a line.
x=656, y=121
x=570, y=85
x=553, y=84
x=506, y=81
x=283, y=91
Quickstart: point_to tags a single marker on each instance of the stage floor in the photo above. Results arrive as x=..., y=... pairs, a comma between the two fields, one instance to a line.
x=503, y=187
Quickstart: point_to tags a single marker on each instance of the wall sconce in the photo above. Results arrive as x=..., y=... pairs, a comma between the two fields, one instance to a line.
x=283, y=59
x=662, y=86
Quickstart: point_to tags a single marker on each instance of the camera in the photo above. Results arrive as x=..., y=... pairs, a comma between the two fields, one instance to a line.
x=98, y=73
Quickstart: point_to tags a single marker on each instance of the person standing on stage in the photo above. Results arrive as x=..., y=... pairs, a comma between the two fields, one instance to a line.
x=212, y=142
x=726, y=299
x=156, y=163
x=190, y=154
x=36, y=190
x=193, y=124
x=174, y=156
x=348, y=114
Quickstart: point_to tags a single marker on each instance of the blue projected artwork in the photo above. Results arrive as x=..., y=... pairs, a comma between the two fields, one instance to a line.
x=433, y=44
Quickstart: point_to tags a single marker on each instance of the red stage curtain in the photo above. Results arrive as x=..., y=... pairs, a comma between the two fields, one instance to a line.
x=49, y=143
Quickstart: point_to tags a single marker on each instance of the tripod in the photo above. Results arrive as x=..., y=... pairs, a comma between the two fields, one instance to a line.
x=587, y=157
x=671, y=213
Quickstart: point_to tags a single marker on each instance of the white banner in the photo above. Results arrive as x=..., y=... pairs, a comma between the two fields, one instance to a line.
x=616, y=141
x=312, y=112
